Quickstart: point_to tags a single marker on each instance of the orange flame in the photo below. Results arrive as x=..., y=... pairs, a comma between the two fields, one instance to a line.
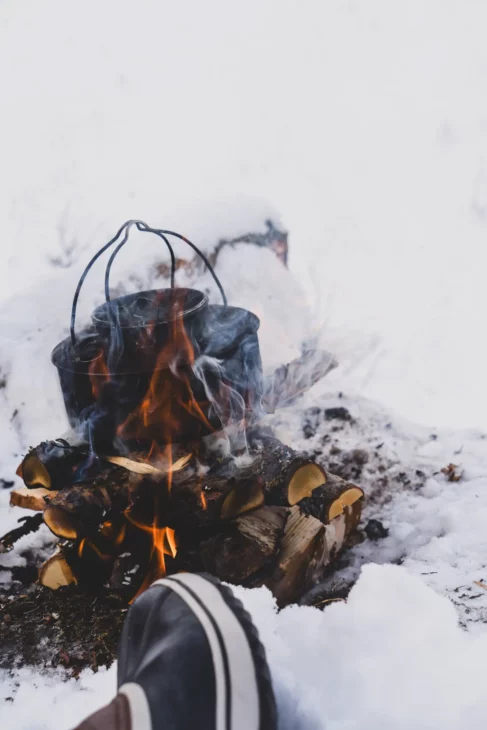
x=162, y=415
x=98, y=374
x=203, y=500
x=163, y=543
x=168, y=410
x=112, y=537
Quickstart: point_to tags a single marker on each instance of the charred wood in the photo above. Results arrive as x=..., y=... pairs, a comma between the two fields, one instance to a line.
x=78, y=510
x=202, y=500
x=29, y=524
x=51, y=465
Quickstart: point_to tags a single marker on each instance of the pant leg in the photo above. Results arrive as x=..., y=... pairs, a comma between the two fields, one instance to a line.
x=115, y=716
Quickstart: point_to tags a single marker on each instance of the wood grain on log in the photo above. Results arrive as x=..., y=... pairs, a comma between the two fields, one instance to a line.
x=307, y=548
x=334, y=498
x=245, y=546
x=33, y=499
x=287, y=475
x=298, y=545
x=55, y=572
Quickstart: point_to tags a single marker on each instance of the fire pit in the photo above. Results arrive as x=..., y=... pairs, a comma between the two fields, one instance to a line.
x=167, y=467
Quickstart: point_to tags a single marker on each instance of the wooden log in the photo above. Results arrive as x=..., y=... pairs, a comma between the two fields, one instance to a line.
x=334, y=498
x=277, y=475
x=287, y=475
x=78, y=510
x=290, y=381
x=34, y=499
x=289, y=579
x=51, y=464
x=56, y=573
x=201, y=500
x=245, y=546
x=307, y=548
x=139, y=465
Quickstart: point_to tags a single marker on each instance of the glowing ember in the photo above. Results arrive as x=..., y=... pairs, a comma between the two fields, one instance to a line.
x=204, y=503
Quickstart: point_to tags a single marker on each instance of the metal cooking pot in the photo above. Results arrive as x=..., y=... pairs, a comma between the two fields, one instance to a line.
x=107, y=371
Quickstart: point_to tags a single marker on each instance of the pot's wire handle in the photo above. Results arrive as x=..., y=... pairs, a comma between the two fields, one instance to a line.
x=125, y=230
x=147, y=229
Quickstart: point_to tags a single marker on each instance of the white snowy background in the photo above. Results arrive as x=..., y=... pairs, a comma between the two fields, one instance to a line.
x=362, y=127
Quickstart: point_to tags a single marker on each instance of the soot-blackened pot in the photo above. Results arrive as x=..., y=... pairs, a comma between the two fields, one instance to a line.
x=160, y=365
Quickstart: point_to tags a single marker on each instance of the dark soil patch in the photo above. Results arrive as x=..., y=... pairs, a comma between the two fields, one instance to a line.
x=67, y=627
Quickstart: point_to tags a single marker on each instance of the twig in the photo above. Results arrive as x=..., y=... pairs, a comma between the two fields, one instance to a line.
x=30, y=524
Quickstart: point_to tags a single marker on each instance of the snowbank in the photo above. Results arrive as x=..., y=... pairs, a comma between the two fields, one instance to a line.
x=392, y=657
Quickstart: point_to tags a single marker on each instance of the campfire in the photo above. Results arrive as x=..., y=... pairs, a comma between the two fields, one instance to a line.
x=167, y=467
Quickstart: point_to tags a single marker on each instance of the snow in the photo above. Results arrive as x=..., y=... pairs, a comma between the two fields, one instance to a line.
x=393, y=656
x=365, y=126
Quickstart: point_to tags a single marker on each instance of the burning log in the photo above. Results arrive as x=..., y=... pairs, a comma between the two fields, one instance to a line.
x=277, y=521
x=278, y=476
x=80, y=509
x=56, y=573
x=203, y=500
x=51, y=464
x=34, y=499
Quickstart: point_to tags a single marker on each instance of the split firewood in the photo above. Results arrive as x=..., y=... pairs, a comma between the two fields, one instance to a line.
x=298, y=545
x=277, y=475
x=287, y=475
x=77, y=510
x=51, y=464
x=290, y=381
x=35, y=499
x=245, y=546
x=56, y=573
x=334, y=498
x=138, y=467
x=307, y=548
x=29, y=524
x=201, y=500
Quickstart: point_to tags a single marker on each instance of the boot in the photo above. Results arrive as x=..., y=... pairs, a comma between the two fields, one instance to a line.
x=189, y=658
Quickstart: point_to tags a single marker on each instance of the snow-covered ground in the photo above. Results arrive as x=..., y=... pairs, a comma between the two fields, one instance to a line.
x=365, y=127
